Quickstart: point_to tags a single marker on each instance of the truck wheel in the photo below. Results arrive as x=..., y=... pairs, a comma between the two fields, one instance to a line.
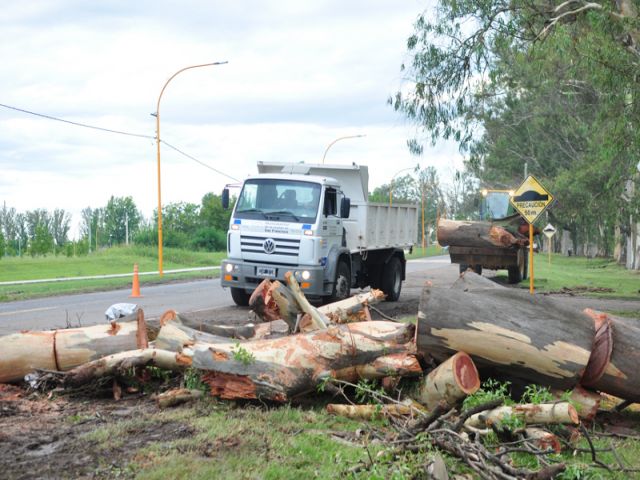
x=342, y=286
x=392, y=279
x=477, y=269
x=240, y=297
x=518, y=273
x=463, y=267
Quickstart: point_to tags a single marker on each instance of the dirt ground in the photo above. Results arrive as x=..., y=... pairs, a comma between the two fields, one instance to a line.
x=49, y=438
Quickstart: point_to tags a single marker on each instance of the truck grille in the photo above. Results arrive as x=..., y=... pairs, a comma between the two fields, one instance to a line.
x=283, y=246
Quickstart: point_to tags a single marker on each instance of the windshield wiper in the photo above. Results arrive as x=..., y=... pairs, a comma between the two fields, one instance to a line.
x=282, y=212
x=253, y=210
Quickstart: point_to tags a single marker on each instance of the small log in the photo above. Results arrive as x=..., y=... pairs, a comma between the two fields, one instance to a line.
x=475, y=234
x=450, y=382
x=318, y=319
x=370, y=412
x=389, y=366
x=63, y=349
x=120, y=362
x=543, y=413
x=543, y=439
x=174, y=335
x=352, y=309
x=587, y=402
x=241, y=332
x=177, y=396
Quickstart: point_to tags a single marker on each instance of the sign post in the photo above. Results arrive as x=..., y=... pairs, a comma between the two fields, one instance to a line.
x=531, y=199
x=549, y=231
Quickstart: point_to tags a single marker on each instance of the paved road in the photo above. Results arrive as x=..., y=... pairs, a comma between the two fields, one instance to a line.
x=88, y=309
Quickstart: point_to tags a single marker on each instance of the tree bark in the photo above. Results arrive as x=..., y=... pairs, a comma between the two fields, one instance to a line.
x=177, y=396
x=542, y=439
x=65, y=349
x=476, y=234
x=286, y=367
x=511, y=333
x=450, y=382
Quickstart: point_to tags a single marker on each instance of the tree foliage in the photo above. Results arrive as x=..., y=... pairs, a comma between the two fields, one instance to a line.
x=550, y=86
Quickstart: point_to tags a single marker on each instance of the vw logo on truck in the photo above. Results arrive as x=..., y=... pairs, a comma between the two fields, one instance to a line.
x=269, y=245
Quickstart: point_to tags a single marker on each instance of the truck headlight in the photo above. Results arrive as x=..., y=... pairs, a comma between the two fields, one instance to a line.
x=228, y=268
x=306, y=275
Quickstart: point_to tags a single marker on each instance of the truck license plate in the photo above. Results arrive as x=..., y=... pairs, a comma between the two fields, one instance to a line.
x=266, y=272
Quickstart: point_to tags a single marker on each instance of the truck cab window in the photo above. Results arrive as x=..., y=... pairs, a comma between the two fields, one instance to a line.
x=330, y=202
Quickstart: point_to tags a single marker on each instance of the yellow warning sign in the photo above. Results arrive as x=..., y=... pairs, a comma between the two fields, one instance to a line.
x=531, y=199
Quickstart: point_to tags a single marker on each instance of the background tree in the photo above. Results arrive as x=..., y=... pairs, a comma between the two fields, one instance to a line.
x=60, y=222
x=552, y=87
x=118, y=213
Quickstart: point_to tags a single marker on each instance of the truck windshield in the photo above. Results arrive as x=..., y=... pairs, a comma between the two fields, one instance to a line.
x=283, y=200
x=497, y=205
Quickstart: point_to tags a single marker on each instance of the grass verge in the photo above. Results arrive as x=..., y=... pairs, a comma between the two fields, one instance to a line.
x=430, y=251
x=115, y=260
x=598, y=277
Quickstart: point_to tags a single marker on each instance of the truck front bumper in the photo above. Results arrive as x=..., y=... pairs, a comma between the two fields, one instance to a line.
x=247, y=276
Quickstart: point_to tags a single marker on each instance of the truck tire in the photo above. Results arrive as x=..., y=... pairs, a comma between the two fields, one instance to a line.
x=240, y=297
x=463, y=267
x=476, y=268
x=342, y=285
x=518, y=273
x=392, y=279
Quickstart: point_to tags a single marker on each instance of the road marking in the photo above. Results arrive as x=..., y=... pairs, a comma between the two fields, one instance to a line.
x=41, y=309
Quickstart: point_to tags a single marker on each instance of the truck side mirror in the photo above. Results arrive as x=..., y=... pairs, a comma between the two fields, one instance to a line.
x=225, y=198
x=345, y=207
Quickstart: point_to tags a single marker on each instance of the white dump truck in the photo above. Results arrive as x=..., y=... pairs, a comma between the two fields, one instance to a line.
x=315, y=221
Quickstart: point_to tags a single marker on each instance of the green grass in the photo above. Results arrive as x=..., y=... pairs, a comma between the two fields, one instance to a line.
x=575, y=272
x=232, y=443
x=109, y=261
x=430, y=251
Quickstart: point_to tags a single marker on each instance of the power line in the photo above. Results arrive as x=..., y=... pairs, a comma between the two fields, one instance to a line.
x=119, y=132
x=198, y=161
x=78, y=124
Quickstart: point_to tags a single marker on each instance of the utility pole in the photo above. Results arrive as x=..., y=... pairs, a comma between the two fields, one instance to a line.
x=126, y=227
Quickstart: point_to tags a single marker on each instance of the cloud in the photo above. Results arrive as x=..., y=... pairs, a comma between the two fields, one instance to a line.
x=300, y=74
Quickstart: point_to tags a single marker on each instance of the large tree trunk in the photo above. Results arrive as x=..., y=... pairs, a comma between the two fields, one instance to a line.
x=286, y=367
x=65, y=349
x=476, y=234
x=533, y=338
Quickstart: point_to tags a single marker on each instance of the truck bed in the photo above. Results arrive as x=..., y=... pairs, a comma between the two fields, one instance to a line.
x=373, y=226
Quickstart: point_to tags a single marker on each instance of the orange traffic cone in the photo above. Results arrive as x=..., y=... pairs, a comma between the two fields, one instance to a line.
x=135, y=289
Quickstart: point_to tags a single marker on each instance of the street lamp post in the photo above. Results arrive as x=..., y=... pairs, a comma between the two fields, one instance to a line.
x=337, y=140
x=157, y=115
x=391, y=184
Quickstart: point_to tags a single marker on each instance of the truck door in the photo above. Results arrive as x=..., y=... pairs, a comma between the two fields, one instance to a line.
x=331, y=224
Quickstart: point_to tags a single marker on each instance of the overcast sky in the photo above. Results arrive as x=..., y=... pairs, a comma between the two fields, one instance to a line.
x=300, y=74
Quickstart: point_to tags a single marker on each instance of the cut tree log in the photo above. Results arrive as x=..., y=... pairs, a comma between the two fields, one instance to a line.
x=317, y=320
x=241, y=332
x=621, y=377
x=64, y=349
x=369, y=412
x=586, y=401
x=284, y=368
x=530, y=413
x=536, y=339
x=174, y=335
x=273, y=300
x=450, y=382
x=476, y=234
x=508, y=332
x=121, y=362
x=174, y=397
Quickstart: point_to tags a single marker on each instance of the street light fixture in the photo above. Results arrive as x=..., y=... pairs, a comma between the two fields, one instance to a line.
x=337, y=140
x=157, y=115
x=391, y=184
